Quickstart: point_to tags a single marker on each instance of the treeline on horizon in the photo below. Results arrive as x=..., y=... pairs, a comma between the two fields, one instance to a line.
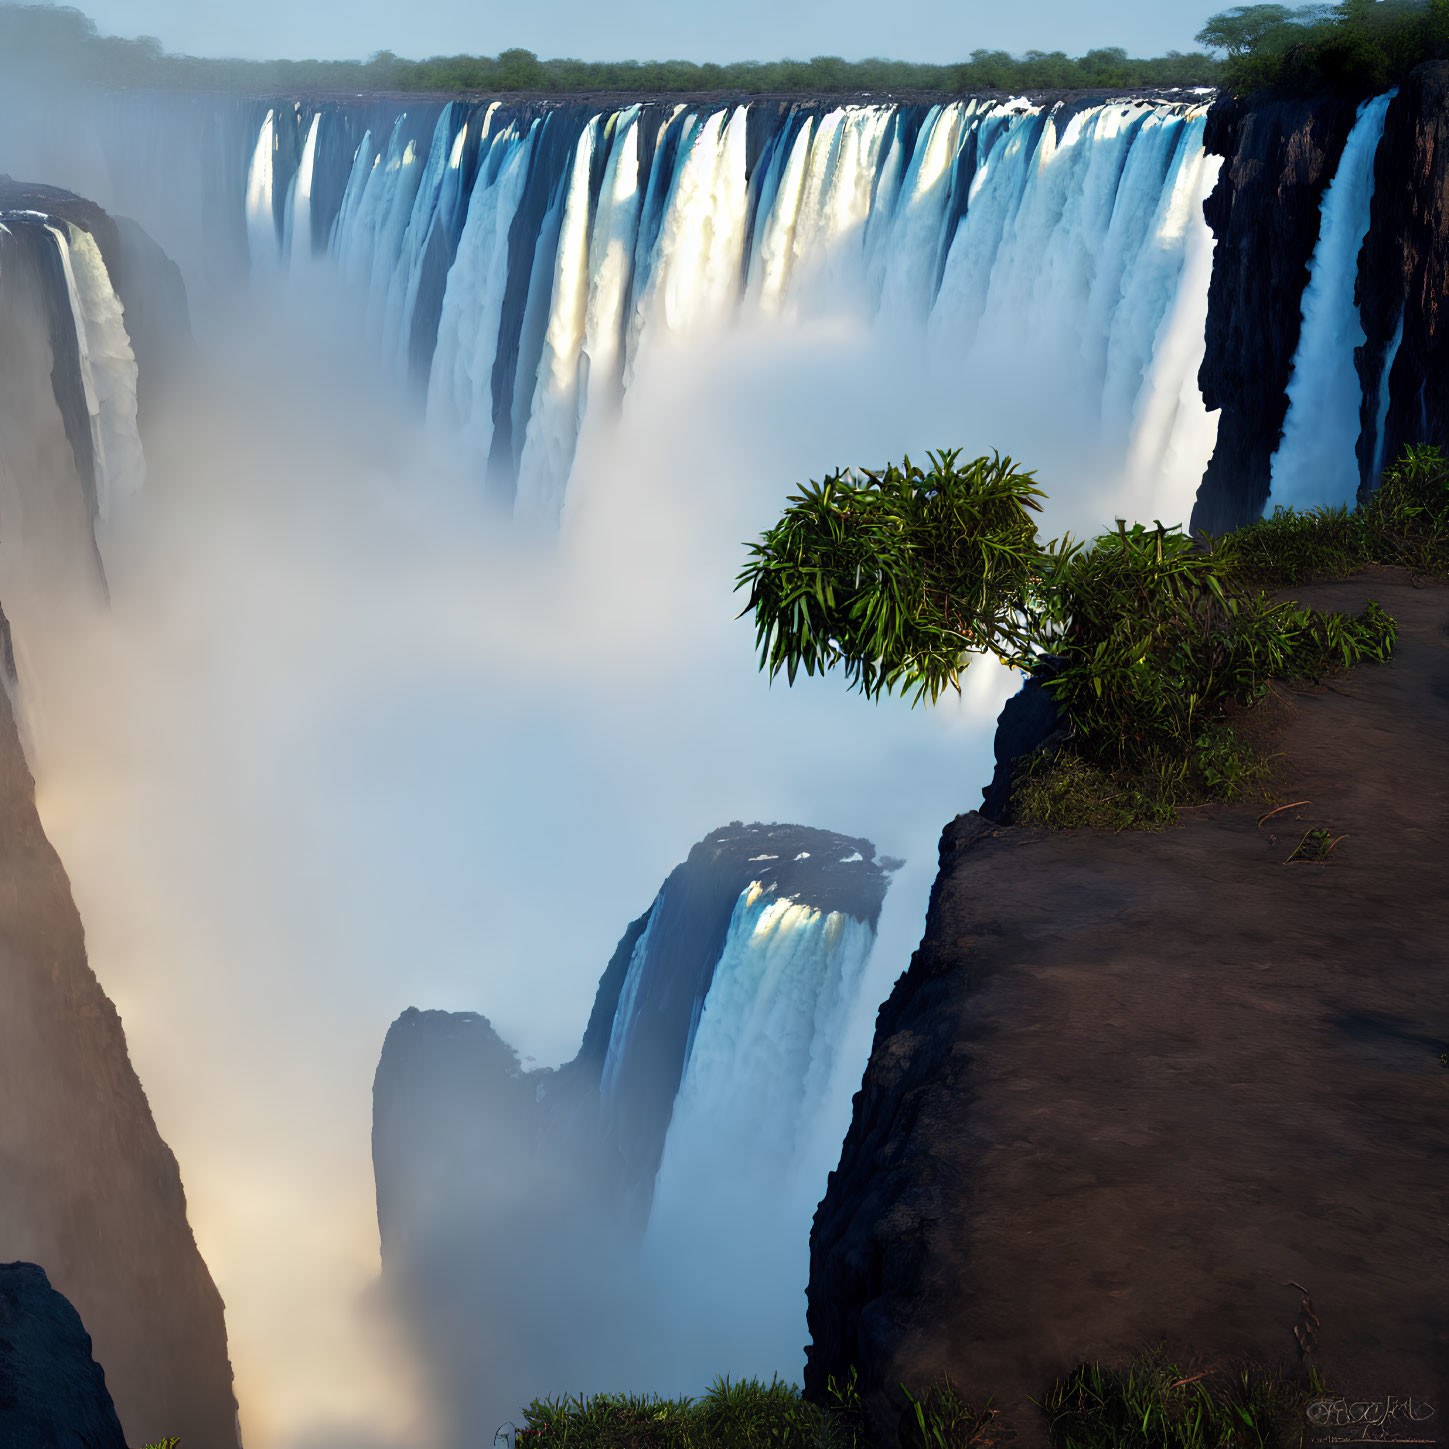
x=1351, y=45
x=60, y=44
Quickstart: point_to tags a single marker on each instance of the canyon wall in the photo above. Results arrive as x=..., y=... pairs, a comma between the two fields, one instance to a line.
x=1403, y=278
x=1280, y=154
x=1264, y=214
x=88, y=1189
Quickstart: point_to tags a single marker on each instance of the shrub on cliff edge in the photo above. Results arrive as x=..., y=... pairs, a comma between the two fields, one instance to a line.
x=1156, y=639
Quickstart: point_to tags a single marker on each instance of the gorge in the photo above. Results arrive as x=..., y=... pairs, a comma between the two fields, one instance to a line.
x=345, y=742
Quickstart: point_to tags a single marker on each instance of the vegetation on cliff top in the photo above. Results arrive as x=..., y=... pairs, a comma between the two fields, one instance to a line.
x=59, y=43
x=1149, y=1404
x=1152, y=643
x=1358, y=47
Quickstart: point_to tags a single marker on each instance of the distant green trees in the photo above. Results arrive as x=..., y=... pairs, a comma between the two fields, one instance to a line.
x=1355, y=46
x=57, y=43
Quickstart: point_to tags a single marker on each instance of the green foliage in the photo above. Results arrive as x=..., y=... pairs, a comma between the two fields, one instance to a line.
x=942, y=1419
x=747, y=1414
x=895, y=575
x=1356, y=47
x=1156, y=646
x=1315, y=847
x=165, y=1444
x=1152, y=1404
x=1405, y=522
x=58, y=43
x=1406, y=519
x=1157, y=642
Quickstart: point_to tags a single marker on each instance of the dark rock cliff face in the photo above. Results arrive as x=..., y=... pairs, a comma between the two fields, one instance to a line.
x=88, y=1189
x=1403, y=277
x=1134, y=1088
x=1264, y=212
x=52, y=1392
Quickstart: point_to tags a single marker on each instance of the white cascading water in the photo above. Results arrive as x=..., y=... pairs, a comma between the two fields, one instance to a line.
x=991, y=223
x=1315, y=462
x=553, y=419
x=460, y=394
x=748, y=1146
x=1381, y=414
x=108, y=371
x=298, y=230
x=761, y=1053
x=261, y=220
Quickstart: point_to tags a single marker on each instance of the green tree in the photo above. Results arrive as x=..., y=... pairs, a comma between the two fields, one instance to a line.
x=519, y=70
x=1247, y=27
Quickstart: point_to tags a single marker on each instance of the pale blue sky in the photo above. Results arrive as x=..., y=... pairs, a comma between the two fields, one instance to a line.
x=926, y=30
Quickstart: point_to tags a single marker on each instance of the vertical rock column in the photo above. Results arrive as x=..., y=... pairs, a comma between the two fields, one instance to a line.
x=1280, y=156
x=1404, y=274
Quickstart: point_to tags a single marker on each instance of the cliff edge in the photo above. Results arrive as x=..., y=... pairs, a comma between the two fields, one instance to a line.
x=1134, y=1088
x=88, y=1190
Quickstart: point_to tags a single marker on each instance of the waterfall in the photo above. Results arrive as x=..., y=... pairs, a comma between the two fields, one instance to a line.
x=553, y=420
x=298, y=245
x=460, y=390
x=1315, y=462
x=107, y=367
x=1381, y=415
x=571, y=243
x=763, y=1045
x=260, y=215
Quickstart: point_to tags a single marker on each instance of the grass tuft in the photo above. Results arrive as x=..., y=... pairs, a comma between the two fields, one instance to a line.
x=1150, y=1404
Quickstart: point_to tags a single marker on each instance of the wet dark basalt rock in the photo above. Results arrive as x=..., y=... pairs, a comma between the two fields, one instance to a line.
x=1403, y=276
x=1279, y=156
x=52, y=1392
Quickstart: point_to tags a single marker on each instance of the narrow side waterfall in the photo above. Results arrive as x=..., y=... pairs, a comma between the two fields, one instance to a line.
x=586, y=241
x=1315, y=462
x=763, y=1040
x=107, y=369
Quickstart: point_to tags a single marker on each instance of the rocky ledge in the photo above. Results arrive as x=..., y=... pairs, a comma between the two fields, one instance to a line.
x=1140, y=1087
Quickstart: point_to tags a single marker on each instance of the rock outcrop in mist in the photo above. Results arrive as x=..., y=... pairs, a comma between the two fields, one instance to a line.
x=52, y=1392
x=512, y=1203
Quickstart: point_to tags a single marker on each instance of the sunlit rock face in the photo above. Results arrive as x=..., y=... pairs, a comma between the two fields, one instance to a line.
x=715, y=1025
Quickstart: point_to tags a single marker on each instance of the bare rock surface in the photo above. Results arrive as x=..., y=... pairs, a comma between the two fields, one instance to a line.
x=88, y=1189
x=52, y=1392
x=1134, y=1088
